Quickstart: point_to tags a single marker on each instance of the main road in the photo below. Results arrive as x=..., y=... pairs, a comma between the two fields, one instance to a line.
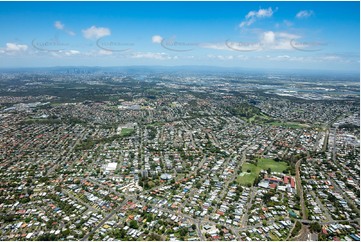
x=116, y=210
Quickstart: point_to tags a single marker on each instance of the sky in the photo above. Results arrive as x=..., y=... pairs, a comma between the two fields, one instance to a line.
x=260, y=35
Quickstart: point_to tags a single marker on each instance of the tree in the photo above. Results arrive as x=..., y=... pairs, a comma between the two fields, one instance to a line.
x=269, y=171
x=296, y=229
x=133, y=224
x=239, y=189
x=149, y=218
x=154, y=237
x=183, y=231
x=66, y=233
x=315, y=227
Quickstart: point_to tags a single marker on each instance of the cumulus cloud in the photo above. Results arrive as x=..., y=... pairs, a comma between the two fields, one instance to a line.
x=268, y=37
x=59, y=25
x=252, y=16
x=277, y=40
x=15, y=47
x=157, y=39
x=304, y=14
x=95, y=32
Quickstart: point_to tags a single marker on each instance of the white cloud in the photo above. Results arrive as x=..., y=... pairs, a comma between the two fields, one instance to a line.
x=151, y=55
x=268, y=37
x=232, y=45
x=244, y=46
x=242, y=57
x=287, y=35
x=261, y=13
x=227, y=57
x=59, y=25
x=277, y=40
x=247, y=22
x=70, y=52
x=105, y=52
x=62, y=53
x=304, y=14
x=252, y=16
x=283, y=57
x=157, y=39
x=267, y=40
x=95, y=33
x=15, y=47
x=331, y=58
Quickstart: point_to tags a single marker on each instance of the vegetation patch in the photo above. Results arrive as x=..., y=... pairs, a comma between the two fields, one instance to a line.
x=252, y=170
x=126, y=132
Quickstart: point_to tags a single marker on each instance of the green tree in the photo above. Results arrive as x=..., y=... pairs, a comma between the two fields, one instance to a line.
x=133, y=224
x=315, y=227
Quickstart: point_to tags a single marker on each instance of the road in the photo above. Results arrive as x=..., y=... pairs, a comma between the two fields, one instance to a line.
x=319, y=203
x=313, y=237
x=116, y=210
x=230, y=179
x=70, y=194
x=303, y=235
x=300, y=189
x=68, y=151
x=325, y=142
x=334, y=145
x=199, y=230
x=109, y=189
x=350, y=202
x=248, y=206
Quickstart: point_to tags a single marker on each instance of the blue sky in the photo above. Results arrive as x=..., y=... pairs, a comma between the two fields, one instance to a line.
x=263, y=35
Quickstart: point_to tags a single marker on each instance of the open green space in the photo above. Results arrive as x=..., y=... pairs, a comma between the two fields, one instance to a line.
x=262, y=164
x=126, y=131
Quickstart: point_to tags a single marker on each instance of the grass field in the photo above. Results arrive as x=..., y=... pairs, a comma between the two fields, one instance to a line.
x=126, y=131
x=262, y=164
x=258, y=118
